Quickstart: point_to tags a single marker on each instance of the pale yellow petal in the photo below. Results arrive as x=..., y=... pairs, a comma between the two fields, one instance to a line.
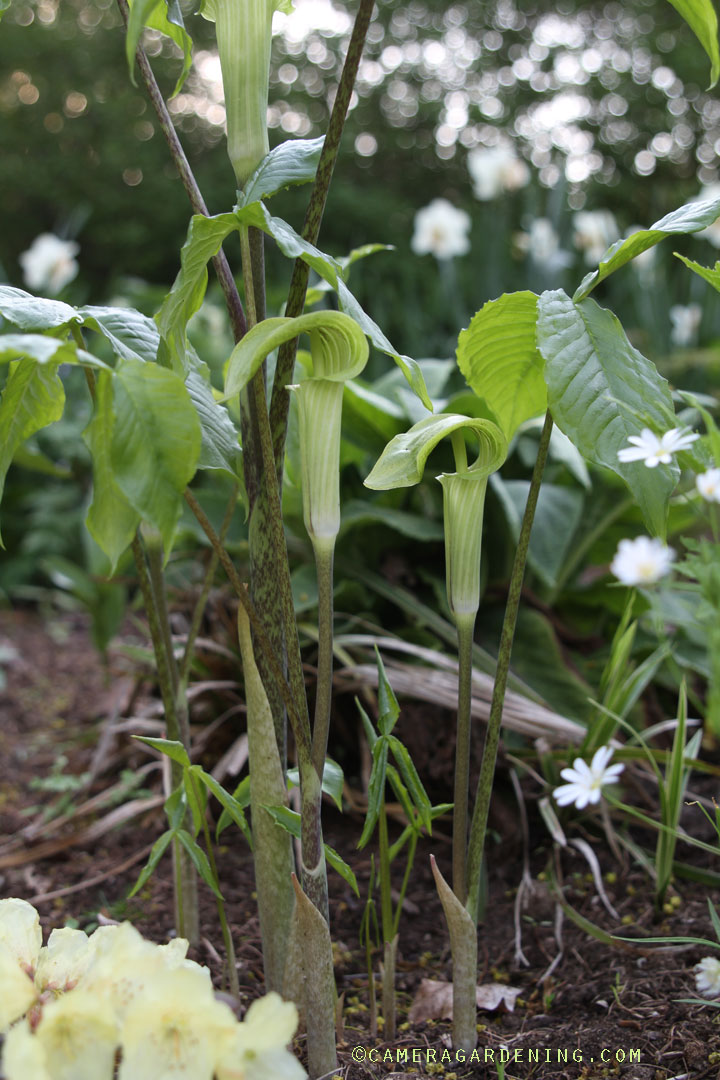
x=79, y=1036
x=20, y=931
x=64, y=960
x=23, y=1055
x=17, y=990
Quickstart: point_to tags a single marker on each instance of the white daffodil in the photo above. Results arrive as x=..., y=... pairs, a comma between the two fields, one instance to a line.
x=707, y=976
x=641, y=561
x=655, y=451
x=441, y=230
x=595, y=231
x=542, y=244
x=175, y=1029
x=79, y=1036
x=708, y=484
x=685, y=322
x=49, y=263
x=258, y=1049
x=587, y=781
x=496, y=169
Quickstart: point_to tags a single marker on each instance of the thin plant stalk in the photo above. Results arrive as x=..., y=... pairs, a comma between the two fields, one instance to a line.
x=187, y=919
x=233, y=984
x=324, y=553
x=387, y=922
x=478, y=827
x=466, y=632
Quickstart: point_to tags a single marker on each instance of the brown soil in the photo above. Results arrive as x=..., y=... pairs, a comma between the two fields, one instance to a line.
x=602, y=1011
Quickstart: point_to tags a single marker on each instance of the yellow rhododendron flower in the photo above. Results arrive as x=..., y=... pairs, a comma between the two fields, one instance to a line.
x=175, y=1029
x=125, y=964
x=64, y=960
x=23, y=1055
x=79, y=1035
x=20, y=932
x=258, y=1050
x=17, y=990
x=20, y=942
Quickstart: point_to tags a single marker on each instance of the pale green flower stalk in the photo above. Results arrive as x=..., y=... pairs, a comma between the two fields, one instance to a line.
x=244, y=36
x=400, y=465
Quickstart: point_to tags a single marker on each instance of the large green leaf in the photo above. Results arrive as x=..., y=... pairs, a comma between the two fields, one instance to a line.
x=359, y=512
x=709, y=274
x=402, y=462
x=292, y=162
x=165, y=17
x=601, y=390
x=111, y=520
x=132, y=335
x=29, y=312
x=45, y=350
x=701, y=17
x=155, y=442
x=220, y=449
x=498, y=356
x=33, y=398
x=690, y=218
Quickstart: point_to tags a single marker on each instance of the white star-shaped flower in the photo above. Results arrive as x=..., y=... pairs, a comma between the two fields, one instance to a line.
x=654, y=451
x=587, y=781
x=708, y=484
x=641, y=561
x=707, y=976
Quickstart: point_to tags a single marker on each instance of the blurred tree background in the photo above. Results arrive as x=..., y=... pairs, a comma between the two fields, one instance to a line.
x=604, y=102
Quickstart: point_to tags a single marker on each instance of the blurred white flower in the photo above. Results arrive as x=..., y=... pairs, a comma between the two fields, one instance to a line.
x=709, y=193
x=20, y=942
x=495, y=169
x=49, y=263
x=595, y=231
x=641, y=561
x=656, y=451
x=542, y=244
x=708, y=484
x=707, y=976
x=685, y=322
x=587, y=781
x=79, y=1035
x=441, y=230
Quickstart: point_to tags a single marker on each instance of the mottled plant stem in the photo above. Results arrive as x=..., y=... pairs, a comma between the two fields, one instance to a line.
x=201, y=604
x=280, y=399
x=197, y=202
x=478, y=827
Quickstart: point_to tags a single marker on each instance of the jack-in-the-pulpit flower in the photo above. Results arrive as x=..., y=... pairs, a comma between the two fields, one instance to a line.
x=585, y=782
x=642, y=561
x=441, y=230
x=707, y=976
x=244, y=37
x=685, y=321
x=654, y=451
x=496, y=169
x=708, y=484
x=49, y=263
x=595, y=231
x=257, y=1050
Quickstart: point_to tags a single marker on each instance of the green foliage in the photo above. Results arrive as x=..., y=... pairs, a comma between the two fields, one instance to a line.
x=701, y=17
x=166, y=17
x=601, y=390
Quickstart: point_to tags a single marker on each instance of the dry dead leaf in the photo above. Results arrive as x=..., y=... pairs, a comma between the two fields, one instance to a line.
x=434, y=999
